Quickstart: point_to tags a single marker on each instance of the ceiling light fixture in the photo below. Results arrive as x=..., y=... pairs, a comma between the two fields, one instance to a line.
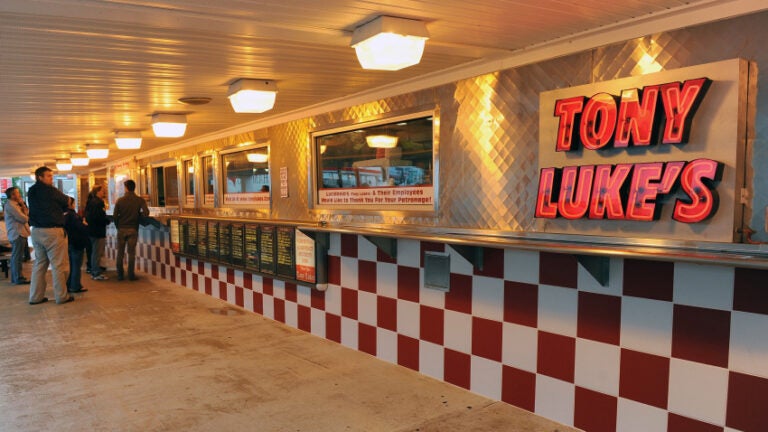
x=167, y=125
x=381, y=141
x=128, y=140
x=97, y=151
x=252, y=95
x=257, y=157
x=63, y=165
x=79, y=159
x=389, y=43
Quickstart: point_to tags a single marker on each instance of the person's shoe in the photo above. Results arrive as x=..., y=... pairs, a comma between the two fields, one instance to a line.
x=132, y=278
x=99, y=277
x=102, y=268
x=120, y=277
x=69, y=299
x=81, y=290
x=22, y=282
x=88, y=271
x=43, y=300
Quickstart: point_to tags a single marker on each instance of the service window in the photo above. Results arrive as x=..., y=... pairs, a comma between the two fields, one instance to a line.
x=166, y=185
x=387, y=165
x=246, y=177
x=206, y=162
x=189, y=183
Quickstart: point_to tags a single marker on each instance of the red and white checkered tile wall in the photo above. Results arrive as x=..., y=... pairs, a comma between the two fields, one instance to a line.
x=675, y=347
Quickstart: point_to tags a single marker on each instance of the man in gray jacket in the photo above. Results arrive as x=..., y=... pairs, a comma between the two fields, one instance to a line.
x=17, y=225
x=129, y=210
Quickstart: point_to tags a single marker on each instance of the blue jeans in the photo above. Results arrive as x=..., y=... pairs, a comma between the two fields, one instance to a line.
x=75, y=266
x=50, y=248
x=18, y=248
x=97, y=250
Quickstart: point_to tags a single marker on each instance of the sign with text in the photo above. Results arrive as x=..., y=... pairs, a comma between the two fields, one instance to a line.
x=255, y=199
x=175, y=243
x=305, y=258
x=396, y=196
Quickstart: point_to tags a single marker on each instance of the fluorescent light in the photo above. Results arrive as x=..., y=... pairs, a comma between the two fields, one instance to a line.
x=381, y=141
x=252, y=96
x=389, y=43
x=257, y=157
x=63, y=165
x=97, y=151
x=128, y=140
x=79, y=159
x=166, y=125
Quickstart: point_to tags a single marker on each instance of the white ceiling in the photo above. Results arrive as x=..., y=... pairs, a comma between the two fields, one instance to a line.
x=72, y=71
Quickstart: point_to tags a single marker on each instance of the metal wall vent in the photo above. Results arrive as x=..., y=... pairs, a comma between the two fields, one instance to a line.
x=437, y=271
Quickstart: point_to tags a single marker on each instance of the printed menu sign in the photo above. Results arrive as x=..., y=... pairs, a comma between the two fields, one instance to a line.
x=213, y=240
x=305, y=258
x=236, y=245
x=175, y=242
x=202, y=239
x=267, y=249
x=251, y=247
x=191, y=237
x=285, y=252
x=225, y=242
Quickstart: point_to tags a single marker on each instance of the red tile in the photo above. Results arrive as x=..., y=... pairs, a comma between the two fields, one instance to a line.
x=230, y=275
x=558, y=269
x=248, y=281
x=749, y=293
x=349, y=245
x=208, y=285
x=258, y=303
x=162, y=271
x=386, y=313
x=459, y=298
x=291, y=293
x=366, y=338
x=188, y=264
x=747, y=402
x=223, y=292
x=701, y=335
x=334, y=270
x=279, y=309
x=333, y=327
x=457, y=368
x=595, y=412
x=177, y=261
x=408, y=352
x=200, y=267
x=599, y=317
x=267, y=286
x=644, y=378
x=305, y=318
x=426, y=246
x=648, y=279
x=556, y=356
x=183, y=279
x=493, y=263
x=173, y=276
x=381, y=256
x=521, y=303
x=677, y=423
x=239, y=297
x=366, y=276
x=408, y=283
x=432, y=324
x=317, y=299
x=349, y=303
x=518, y=388
x=486, y=338
x=214, y=271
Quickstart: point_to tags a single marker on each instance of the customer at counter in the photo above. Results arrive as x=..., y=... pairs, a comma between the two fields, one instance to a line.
x=130, y=209
x=97, y=219
x=77, y=239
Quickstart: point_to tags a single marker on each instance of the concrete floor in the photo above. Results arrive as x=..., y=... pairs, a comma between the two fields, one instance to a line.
x=152, y=356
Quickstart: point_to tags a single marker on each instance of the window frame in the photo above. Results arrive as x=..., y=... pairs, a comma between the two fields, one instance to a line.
x=261, y=204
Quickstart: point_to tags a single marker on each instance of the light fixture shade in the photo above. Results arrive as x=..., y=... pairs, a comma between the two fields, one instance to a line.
x=63, y=164
x=389, y=43
x=97, y=151
x=166, y=125
x=128, y=140
x=257, y=157
x=252, y=95
x=79, y=159
x=381, y=141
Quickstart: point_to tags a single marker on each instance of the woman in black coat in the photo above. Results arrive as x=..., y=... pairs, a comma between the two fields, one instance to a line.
x=77, y=237
x=96, y=216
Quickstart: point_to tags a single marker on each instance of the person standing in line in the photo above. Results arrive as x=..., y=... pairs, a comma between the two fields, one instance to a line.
x=77, y=239
x=128, y=211
x=96, y=216
x=17, y=225
x=46, y=217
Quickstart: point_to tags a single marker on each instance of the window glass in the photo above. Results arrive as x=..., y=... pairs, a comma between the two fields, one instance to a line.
x=171, y=186
x=207, y=164
x=246, y=177
x=189, y=183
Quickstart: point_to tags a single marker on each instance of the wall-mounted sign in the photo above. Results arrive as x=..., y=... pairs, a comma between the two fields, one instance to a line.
x=175, y=242
x=258, y=199
x=657, y=155
x=305, y=258
x=283, y=182
x=267, y=249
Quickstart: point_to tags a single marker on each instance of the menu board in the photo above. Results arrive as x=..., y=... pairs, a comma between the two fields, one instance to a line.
x=213, y=241
x=286, y=264
x=251, y=247
x=225, y=242
x=267, y=249
x=202, y=239
x=191, y=237
x=237, y=251
x=305, y=258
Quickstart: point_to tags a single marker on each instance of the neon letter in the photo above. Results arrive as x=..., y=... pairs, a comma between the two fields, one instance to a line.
x=697, y=181
x=568, y=110
x=680, y=106
x=636, y=120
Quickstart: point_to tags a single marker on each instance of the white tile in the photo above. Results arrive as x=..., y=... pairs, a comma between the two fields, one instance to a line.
x=292, y=314
x=558, y=309
x=708, y=286
x=349, y=272
x=485, y=377
x=458, y=331
x=519, y=346
x=304, y=295
x=634, y=416
x=365, y=249
x=257, y=283
x=231, y=296
x=200, y=282
x=386, y=280
x=488, y=298
x=749, y=344
x=248, y=300
x=222, y=273
x=408, y=252
x=269, y=306
x=731, y=430
x=698, y=391
x=278, y=289
x=646, y=325
x=430, y=297
x=587, y=282
x=333, y=299
x=215, y=289
x=317, y=319
x=555, y=399
x=366, y=308
x=386, y=345
x=521, y=266
x=431, y=360
x=597, y=366
x=408, y=318
x=349, y=330
x=334, y=248
x=459, y=264
x=207, y=269
x=239, y=278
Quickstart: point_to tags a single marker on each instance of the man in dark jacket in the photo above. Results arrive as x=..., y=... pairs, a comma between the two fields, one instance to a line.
x=77, y=237
x=129, y=210
x=96, y=216
x=46, y=217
